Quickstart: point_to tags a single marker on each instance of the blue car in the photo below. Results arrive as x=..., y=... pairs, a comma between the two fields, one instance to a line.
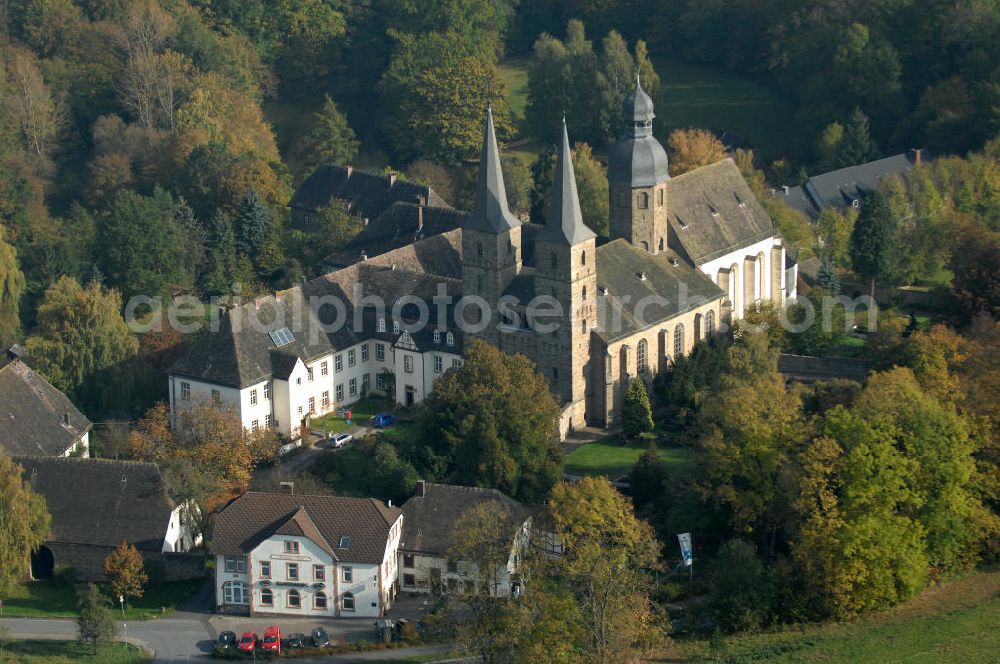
x=383, y=420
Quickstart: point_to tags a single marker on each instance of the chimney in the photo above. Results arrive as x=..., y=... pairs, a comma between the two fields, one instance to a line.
x=392, y=178
x=288, y=488
x=916, y=155
x=422, y=488
x=364, y=255
x=421, y=200
x=420, y=218
x=784, y=188
x=65, y=418
x=350, y=169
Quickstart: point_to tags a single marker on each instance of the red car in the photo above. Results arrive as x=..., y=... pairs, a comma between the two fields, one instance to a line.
x=272, y=639
x=247, y=642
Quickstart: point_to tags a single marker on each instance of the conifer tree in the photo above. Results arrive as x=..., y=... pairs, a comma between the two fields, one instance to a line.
x=331, y=141
x=637, y=415
x=222, y=261
x=856, y=146
x=873, y=240
x=95, y=624
x=253, y=225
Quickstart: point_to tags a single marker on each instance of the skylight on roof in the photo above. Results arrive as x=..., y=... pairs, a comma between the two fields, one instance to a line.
x=345, y=542
x=282, y=337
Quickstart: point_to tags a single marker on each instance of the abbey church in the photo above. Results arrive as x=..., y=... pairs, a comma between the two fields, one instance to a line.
x=685, y=254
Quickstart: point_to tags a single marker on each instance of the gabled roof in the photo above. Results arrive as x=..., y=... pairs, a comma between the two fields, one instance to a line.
x=35, y=417
x=565, y=223
x=367, y=194
x=712, y=212
x=254, y=517
x=429, y=519
x=654, y=282
x=101, y=502
x=490, y=213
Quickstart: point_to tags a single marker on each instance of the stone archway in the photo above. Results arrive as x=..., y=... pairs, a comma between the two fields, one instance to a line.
x=43, y=563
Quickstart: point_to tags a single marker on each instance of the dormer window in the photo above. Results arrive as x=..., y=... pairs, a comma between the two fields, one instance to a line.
x=450, y=339
x=381, y=325
x=395, y=327
x=437, y=336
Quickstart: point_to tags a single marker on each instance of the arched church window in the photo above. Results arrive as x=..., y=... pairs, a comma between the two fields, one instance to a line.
x=640, y=357
x=661, y=244
x=584, y=292
x=583, y=257
x=678, y=340
x=643, y=200
x=709, y=323
x=659, y=201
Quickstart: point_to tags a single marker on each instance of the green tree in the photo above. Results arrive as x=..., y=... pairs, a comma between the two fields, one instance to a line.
x=223, y=265
x=975, y=283
x=591, y=184
x=492, y=423
x=125, y=572
x=856, y=146
x=517, y=182
x=24, y=523
x=80, y=334
x=740, y=591
x=873, y=239
x=606, y=550
x=618, y=71
x=331, y=140
x=647, y=477
x=828, y=146
x=11, y=288
x=637, y=415
x=95, y=624
x=253, y=225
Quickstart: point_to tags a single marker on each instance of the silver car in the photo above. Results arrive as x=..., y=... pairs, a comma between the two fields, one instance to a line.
x=338, y=440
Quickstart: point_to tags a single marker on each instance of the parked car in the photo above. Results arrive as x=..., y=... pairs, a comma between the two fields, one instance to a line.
x=296, y=640
x=225, y=641
x=383, y=420
x=248, y=642
x=320, y=638
x=272, y=639
x=338, y=440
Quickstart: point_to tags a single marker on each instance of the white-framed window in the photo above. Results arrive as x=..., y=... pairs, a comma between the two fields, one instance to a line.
x=450, y=339
x=338, y=362
x=351, y=357
x=408, y=363
x=309, y=374
x=235, y=592
x=395, y=327
x=268, y=421
x=380, y=352
x=380, y=381
x=347, y=602
x=265, y=569
x=236, y=564
x=339, y=392
x=266, y=597
x=293, y=599
x=456, y=363
x=255, y=426
x=364, y=352
x=381, y=325
x=253, y=397
x=319, y=573
x=312, y=405
x=438, y=364
x=319, y=601
x=185, y=391
x=437, y=336
x=292, y=571
x=348, y=573
x=324, y=368
x=352, y=387
x=267, y=390
x=291, y=546
x=326, y=399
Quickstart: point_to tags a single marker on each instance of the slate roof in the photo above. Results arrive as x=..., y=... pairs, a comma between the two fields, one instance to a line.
x=620, y=268
x=712, y=212
x=637, y=158
x=565, y=223
x=367, y=194
x=429, y=520
x=490, y=213
x=100, y=502
x=638, y=106
x=35, y=417
x=840, y=188
x=253, y=517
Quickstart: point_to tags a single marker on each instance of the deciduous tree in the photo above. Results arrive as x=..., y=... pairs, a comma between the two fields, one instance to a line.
x=11, y=289
x=125, y=571
x=94, y=624
x=692, y=148
x=24, y=523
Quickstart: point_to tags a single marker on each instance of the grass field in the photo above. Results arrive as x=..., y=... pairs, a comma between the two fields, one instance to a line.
x=514, y=73
x=361, y=411
x=63, y=652
x=956, y=623
x=611, y=458
x=710, y=97
x=56, y=599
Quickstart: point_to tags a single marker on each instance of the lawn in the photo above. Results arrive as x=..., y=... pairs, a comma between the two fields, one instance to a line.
x=63, y=652
x=956, y=622
x=514, y=72
x=55, y=598
x=613, y=459
x=361, y=411
x=710, y=97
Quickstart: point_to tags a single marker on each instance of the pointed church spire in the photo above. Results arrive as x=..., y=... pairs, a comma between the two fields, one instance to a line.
x=565, y=224
x=491, y=214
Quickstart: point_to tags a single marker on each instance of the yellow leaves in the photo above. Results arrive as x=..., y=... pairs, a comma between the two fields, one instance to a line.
x=692, y=148
x=124, y=569
x=226, y=116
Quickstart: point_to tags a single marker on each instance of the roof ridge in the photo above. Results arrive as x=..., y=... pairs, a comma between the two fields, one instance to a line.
x=702, y=168
x=74, y=459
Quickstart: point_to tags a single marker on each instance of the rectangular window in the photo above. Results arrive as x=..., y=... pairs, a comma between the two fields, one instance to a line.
x=326, y=399
x=236, y=564
x=338, y=362
x=365, y=384
x=312, y=404
x=352, y=387
x=185, y=391
x=265, y=569
x=324, y=368
x=380, y=352
x=456, y=363
x=309, y=374
x=408, y=560
x=294, y=599
x=255, y=426
x=408, y=363
x=267, y=390
x=291, y=546
x=351, y=358
x=364, y=353
x=268, y=421
x=253, y=397
x=292, y=571
x=319, y=573
x=340, y=393
x=380, y=381
x=348, y=574
x=409, y=581
x=438, y=364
